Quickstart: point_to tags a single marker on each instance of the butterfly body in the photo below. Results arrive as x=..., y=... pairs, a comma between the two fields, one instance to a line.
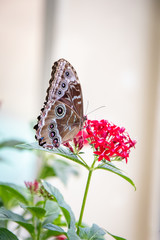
x=61, y=117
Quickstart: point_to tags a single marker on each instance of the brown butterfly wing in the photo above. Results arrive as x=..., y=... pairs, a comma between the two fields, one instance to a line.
x=59, y=127
x=65, y=86
x=64, y=92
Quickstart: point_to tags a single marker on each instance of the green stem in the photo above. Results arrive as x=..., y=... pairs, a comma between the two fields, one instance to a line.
x=39, y=230
x=40, y=223
x=85, y=196
x=44, y=204
x=33, y=217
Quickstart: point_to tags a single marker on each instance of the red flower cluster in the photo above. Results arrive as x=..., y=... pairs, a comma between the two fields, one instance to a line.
x=109, y=140
x=32, y=186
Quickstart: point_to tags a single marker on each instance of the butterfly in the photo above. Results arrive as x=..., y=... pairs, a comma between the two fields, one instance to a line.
x=61, y=117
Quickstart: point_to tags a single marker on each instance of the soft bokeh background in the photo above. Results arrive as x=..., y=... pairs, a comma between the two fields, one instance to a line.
x=114, y=47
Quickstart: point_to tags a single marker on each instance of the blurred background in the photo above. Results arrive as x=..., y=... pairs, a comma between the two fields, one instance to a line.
x=114, y=47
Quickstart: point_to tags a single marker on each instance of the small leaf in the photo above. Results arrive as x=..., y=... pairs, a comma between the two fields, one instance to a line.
x=93, y=233
x=9, y=215
x=46, y=171
x=52, y=208
x=5, y=234
x=61, y=151
x=116, y=237
x=52, y=212
x=60, y=222
x=56, y=230
x=48, y=234
x=35, y=211
x=65, y=208
x=29, y=227
x=110, y=167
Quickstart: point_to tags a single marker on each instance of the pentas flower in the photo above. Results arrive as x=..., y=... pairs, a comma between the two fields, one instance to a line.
x=68, y=145
x=83, y=134
x=37, y=188
x=32, y=186
x=109, y=141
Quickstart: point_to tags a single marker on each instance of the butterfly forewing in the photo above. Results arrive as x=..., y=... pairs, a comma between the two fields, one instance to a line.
x=65, y=86
x=62, y=115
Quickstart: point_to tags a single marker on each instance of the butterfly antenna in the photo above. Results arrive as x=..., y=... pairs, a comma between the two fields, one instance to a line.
x=87, y=107
x=96, y=109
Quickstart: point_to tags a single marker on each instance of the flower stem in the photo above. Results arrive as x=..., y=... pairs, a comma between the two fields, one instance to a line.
x=85, y=196
x=84, y=200
x=39, y=230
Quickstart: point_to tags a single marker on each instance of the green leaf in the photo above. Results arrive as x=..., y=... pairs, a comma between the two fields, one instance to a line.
x=15, y=192
x=52, y=208
x=10, y=143
x=29, y=227
x=61, y=151
x=72, y=235
x=47, y=234
x=116, y=237
x=9, y=215
x=65, y=208
x=56, y=230
x=46, y=171
x=3, y=224
x=5, y=234
x=58, y=168
x=110, y=167
x=7, y=199
x=52, y=212
x=35, y=211
x=93, y=233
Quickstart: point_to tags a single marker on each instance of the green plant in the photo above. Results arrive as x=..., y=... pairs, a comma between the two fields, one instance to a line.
x=45, y=212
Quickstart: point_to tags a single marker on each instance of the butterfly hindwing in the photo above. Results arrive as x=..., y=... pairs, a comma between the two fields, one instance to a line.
x=61, y=124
